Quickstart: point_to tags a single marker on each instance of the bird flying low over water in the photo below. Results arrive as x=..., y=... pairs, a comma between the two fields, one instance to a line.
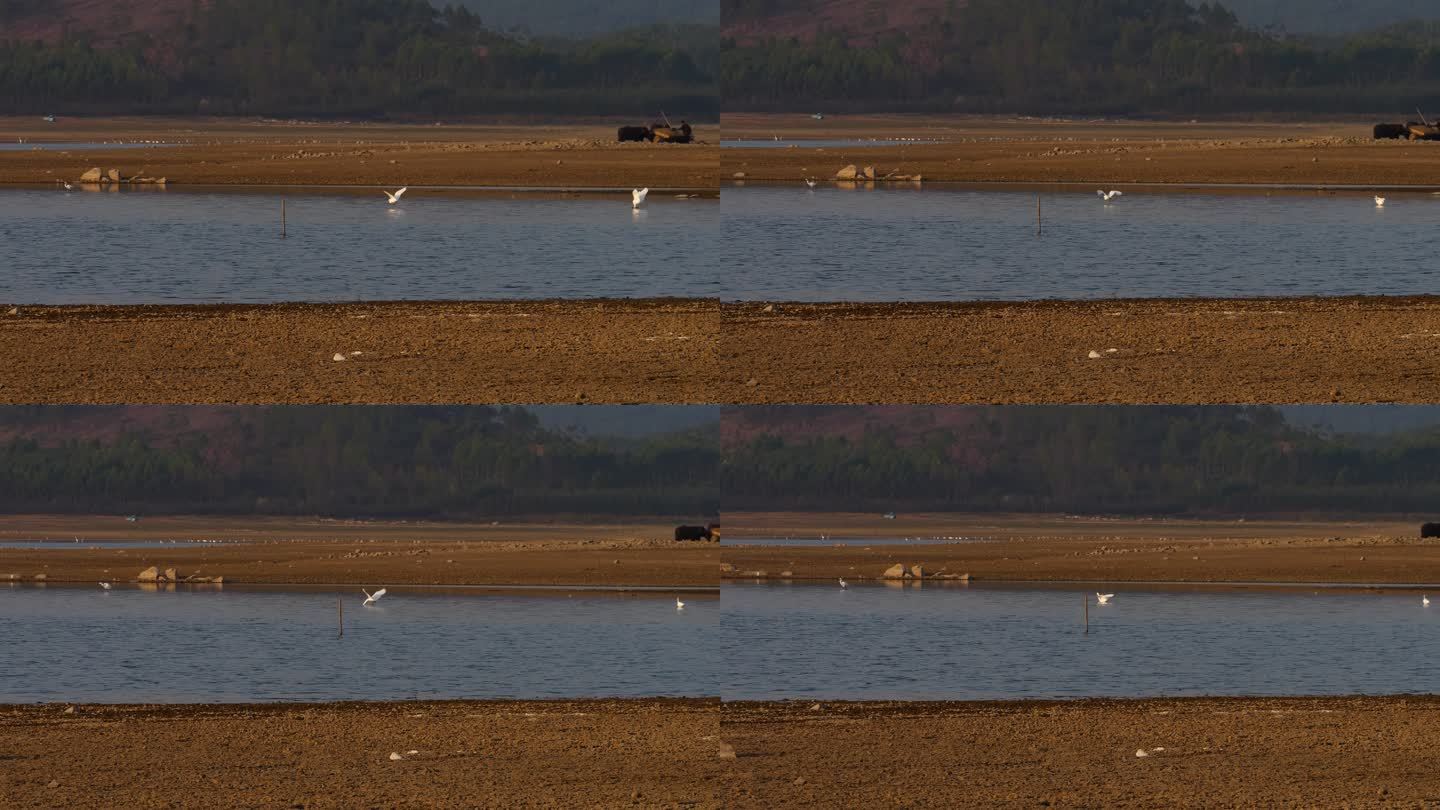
x=1107, y=196
x=1104, y=598
x=372, y=598
x=637, y=197
x=395, y=198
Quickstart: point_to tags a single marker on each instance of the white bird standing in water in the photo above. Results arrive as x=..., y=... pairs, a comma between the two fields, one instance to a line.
x=637, y=197
x=1425, y=600
x=395, y=198
x=372, y=598
x=1104, y=598
x=842, y=583
x=811, y=182
x=1107, y=196
x=105, y=585
x=1379, y=201
x=678, y=604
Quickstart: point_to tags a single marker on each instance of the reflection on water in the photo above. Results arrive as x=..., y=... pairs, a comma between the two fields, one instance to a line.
x=219, y=644
x=954, y=642
x=157, y=246
x=888, y=243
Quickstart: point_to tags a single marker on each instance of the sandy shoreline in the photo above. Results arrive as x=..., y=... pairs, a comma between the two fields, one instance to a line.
x=683, y=351
x=197, y=151
x=1038, y=549
x=980, y=149
x=652, y=752
x=1198, y=351
x=278, y=551
x=532, y=352
x=1292, y=752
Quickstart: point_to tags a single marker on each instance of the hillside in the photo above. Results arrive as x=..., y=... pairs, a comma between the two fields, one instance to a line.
x=440, y=462
x=1331, y=16
x=584, y=18
x=1113, y=460
x=1068, y=57
x=329, y=58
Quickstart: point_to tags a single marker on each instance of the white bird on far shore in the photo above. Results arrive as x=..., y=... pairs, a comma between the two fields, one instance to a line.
x=395, y=198
x=372, y=598
x=1107, y=196
x=637, y=197
x=1104, y=598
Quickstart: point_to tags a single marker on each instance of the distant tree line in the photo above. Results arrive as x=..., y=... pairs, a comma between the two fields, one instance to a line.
x=1082, y=56
x=451, y=463
x=1114, y=460
x=358, y=58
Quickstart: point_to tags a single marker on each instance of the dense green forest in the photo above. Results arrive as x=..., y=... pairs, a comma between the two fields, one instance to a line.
x=1114, y=460
x=436, y=462
x=1081, y=57
x=366, y=58
x=583, y=18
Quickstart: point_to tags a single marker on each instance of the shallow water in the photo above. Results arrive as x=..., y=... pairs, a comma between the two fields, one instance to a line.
x=175, y=247
x=902, y=243
x=83, y=644
x=957, y=642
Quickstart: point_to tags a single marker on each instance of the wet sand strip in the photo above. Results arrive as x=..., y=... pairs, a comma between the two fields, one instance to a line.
x=1265, y=752
x=1192, y=351
x=563, y=753
x=532, y=352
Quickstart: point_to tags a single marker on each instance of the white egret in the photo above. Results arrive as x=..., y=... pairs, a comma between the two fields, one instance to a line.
x=1425, y=600
x=1104, y=598
x=679, y=605
x=372, y=598
x=105, y=585
x=395, y=198
x=637, y=197
x=842, y=583
x=1107, y=196
x=811, y=182
x=1379, y=201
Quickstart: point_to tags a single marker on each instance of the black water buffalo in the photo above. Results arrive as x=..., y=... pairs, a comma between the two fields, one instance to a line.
x=1429, y=530
x=634, y=134
x=694, y=533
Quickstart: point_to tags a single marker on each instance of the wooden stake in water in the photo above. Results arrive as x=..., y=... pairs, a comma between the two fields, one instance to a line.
x=282, y=218
x=1085, y=600
x=340, y=614
x=1039, y=221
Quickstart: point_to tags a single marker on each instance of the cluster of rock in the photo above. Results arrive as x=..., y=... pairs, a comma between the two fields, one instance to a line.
x=902, y=571
x=169, y=575
x=869, y=174
x=98, y=177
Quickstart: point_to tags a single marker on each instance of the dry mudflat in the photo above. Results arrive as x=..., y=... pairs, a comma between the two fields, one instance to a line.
x=977, y=149
x=597, y=351
x=1280, y=752
x=1061, y=549
x=580, y=753
x=1205, y=351
x=274, y=551
x=205, y=151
